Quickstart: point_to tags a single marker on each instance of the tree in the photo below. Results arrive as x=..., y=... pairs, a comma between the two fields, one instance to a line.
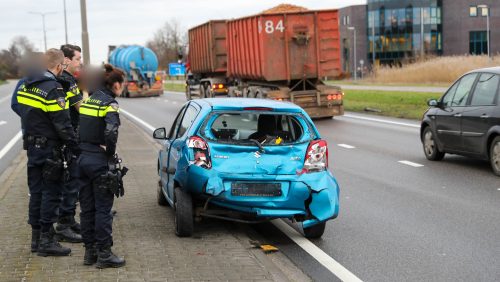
x=167, y=42
x=11, y=58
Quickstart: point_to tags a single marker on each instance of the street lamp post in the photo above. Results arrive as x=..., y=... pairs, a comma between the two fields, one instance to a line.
x=65, y=23
x=484, y=6
x=85, y=33
x=43, y=24
x=354, y=47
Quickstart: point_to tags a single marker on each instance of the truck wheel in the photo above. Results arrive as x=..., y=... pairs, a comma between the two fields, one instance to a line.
x=230, y=92
x=162, y=201
x=495, y=155
x=315, y=231
x=431, y=149
x=183, y=204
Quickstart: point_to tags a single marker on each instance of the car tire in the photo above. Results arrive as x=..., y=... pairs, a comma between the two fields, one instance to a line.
x=495, y=155
x=315, y=231
x=162, y=201
x=183, y=204
x=431, y=149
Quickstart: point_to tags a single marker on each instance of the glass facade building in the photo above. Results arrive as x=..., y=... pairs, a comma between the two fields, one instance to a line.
x=402, y=30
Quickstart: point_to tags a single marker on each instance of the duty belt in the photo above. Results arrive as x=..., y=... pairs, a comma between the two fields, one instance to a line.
x=40, y=141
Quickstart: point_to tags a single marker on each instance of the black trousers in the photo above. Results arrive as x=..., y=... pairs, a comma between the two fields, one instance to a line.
x=95, y=203
x=45, y=196
x=70, y=193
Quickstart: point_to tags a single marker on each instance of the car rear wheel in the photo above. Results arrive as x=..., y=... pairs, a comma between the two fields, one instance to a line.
x=162, y=201
x=315, y=231
x=183, y=204
x=431, y=149
x=495, y=155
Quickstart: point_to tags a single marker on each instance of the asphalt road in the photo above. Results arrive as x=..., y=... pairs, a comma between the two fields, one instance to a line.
x=398, y=221
x=10, y=126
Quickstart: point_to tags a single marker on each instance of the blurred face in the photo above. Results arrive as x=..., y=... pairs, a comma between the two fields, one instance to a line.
x=118, y=88
x=75, y=64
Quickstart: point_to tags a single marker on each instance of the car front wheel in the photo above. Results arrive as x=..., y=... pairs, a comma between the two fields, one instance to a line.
x=431, y=149
x=183, y=204
x=495, y=155
x=315, y=231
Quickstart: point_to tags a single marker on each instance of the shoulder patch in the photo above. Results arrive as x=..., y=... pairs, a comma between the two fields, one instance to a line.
x=114, y=106
x=61, y=101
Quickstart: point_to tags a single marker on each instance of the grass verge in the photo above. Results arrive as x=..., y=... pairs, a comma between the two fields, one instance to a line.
x=410, y=105
x=2, y=82
x=176, y=87
x=370, y=83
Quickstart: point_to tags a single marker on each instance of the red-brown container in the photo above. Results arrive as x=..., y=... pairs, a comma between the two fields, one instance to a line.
x=284, y=46
x=207, y=47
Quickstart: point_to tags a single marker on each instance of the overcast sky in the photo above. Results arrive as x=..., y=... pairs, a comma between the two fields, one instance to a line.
x=115, y=22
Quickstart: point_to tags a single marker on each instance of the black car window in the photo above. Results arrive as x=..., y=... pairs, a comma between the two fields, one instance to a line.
x=187, y=120
x=486, y=90
x=176, y=123
x=448, y=97
x=463, y=90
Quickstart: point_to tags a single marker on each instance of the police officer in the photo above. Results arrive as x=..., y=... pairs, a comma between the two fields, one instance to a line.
x=47, y=127
x=99, y=122
x=67, y=228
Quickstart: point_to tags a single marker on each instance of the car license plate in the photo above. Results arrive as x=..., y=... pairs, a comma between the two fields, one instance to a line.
x=255, y=189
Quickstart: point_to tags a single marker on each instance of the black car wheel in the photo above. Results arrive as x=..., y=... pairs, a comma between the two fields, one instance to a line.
x=183, y=204
x=431, y=149
x=162, y=201
x=495, y=155
x=315, y=231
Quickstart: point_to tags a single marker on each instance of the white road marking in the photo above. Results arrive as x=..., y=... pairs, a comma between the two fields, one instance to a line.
x=381, y=120
x=498, y=189
x=174, y=102
x=410, y=163
x=332, y=265
x=147, y=125
x=166, y=101
x=346, y=146
x=11, y=144
x=2, y=122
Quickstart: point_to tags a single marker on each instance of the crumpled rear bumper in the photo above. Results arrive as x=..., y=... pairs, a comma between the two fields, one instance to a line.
x=311, y=198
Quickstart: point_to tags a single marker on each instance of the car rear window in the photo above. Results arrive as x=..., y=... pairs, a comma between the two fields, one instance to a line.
x=246, y=128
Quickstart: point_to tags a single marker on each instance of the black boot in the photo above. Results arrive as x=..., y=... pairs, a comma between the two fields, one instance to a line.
x=106, y=258
x=35, y=239
x=77, y=227
x=50, y=247
x=90, y=255
x=64, y=233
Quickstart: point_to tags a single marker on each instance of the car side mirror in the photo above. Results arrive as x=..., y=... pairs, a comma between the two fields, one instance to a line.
x=433, y=103
x=160, y=133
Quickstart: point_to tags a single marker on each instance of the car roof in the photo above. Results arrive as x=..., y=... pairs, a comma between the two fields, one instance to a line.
x=495, y=70
x=239, y=104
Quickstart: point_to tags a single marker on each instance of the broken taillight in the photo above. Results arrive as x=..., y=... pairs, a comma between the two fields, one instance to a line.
x=316, y=157
x=201, y=152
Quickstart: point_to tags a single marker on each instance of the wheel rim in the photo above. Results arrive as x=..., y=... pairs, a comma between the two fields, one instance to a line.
x=429, y=145
x=495, y=156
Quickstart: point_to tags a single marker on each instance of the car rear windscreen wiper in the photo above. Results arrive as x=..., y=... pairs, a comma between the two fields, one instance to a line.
x=261, y=148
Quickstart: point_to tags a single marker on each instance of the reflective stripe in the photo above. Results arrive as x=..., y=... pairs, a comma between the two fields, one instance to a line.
x=39, y=103
x=96, y=111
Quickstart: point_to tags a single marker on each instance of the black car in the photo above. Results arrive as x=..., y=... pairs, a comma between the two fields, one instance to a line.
x=466, y=119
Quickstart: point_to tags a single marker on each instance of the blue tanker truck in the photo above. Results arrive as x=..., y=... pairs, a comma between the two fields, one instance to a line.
x=141, y=66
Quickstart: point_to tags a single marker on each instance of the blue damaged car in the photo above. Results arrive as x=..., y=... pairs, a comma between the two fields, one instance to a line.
x=247, y=160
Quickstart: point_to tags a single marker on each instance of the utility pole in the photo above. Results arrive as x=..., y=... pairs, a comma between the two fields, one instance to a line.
x=373, y=36
x=65, y=23
x=43, y=24
x=422, y=37
x=354, y=47
x=85, y=33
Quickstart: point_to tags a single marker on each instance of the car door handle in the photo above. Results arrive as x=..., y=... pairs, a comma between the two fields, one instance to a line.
x=484, y=116
x=457, y=115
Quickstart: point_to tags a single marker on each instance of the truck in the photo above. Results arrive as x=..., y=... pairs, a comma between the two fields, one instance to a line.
x=141, y=67
x=274, y=55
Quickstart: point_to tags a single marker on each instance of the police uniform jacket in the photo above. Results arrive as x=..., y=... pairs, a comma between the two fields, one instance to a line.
x=44, y=109
x=99, y=122
x=73, y=95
